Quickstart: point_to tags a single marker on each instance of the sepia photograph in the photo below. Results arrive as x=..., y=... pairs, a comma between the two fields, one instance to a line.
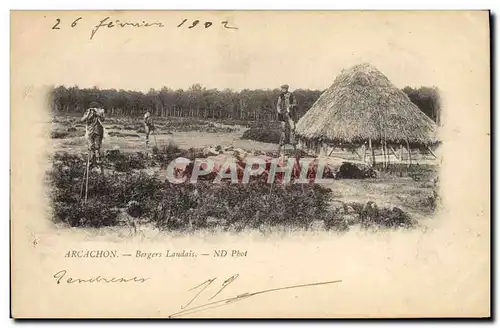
x=333, y=161
x=358, y=154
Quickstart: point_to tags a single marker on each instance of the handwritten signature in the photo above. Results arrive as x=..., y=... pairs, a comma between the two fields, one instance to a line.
x=109, y=23
x=188, y=309
x=98, y=279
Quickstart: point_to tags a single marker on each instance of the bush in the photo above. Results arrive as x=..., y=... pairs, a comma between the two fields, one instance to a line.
x=371, y=215
x=239, y=206
x=262, y=135
x=202, y=205
x=355, y=171
x=59, y=134
x=68, y=133
x=125, y=162
x=95, y=213
x=368, y=215
x=106, y=195
x=123, y=135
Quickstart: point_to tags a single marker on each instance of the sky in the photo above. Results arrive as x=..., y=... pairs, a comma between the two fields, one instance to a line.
x=302, y=49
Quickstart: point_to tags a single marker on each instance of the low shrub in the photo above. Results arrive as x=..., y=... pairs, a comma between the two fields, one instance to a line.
x=239, y=206
x=123, y=135
x=262, y=135
x=355, y=171
x=68, y=133
x=367, y=215
x=59, y=134
x=106, y=194
x=94, y=214
x=201, y=205
x=126, y=162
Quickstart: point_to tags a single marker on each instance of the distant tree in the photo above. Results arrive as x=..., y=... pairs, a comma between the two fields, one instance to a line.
x=427, y=99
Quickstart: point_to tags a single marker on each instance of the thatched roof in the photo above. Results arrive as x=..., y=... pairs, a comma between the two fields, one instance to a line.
x=363, y=104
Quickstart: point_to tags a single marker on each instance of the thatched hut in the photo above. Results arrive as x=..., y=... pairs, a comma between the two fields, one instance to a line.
x=364, y=109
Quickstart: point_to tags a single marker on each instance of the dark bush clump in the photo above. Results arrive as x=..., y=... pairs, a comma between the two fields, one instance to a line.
x=125, y=162
x=68, y=133
x=371, y=215
x=123, y=135
x=95, y=213
x=262, y=135
x=106, y=194
x=355, y=171
x=368, y=215
x=240, y=206
x=202, y=205
x=59, y=134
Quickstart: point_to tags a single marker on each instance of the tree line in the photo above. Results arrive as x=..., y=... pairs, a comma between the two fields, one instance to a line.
x=427, y=99
x=200, y=102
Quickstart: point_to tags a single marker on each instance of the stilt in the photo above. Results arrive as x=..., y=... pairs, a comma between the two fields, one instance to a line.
x=364, y=152
x=87, y=180
x=154, y=136
x=401, y=152
x=85, y=174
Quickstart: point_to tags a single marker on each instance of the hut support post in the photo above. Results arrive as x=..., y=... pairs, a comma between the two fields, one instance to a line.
x=359, y=155
x=331, y=152
x=384, y=158
x=372, y=151
x=395, y=155
x=409, y=153
x=383, y=155
x=388, y=155
x=364, y=152
x=400, y=152
x=432, y=153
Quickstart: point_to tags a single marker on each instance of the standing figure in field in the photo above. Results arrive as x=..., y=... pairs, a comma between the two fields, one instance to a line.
x=93, y=118
x=148, y=125
x=287, y=115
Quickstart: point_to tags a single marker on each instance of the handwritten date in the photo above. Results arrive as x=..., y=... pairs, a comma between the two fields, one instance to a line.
x=108, y=23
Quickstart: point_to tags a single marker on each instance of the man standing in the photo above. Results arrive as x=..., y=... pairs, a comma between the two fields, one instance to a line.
x=93, y=118
x=287, y=114
x=148, y=125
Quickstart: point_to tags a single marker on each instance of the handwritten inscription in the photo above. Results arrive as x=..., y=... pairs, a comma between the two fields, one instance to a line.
x=199, y=289
x=109, y=23
x=58, y=21
x=60, y=276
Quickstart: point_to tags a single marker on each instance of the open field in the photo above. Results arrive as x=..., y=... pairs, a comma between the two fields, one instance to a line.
x=337, y=205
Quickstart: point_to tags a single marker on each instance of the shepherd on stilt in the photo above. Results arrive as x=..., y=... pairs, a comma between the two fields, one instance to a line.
x=149, y=127
x=287, y=115
x=93, y=118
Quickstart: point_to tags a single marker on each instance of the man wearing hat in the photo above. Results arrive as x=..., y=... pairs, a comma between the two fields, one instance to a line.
x=93, y=118
x=287, y=114
x=148, y=125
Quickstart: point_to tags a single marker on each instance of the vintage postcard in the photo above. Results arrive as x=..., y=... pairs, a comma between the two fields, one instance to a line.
x=250, y=164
